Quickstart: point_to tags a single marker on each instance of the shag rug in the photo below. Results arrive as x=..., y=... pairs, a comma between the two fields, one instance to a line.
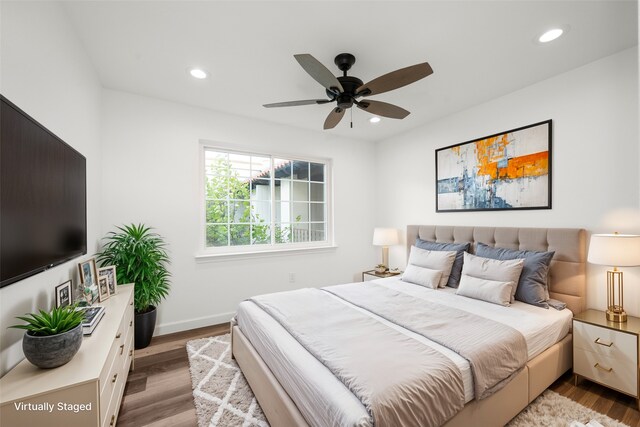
x=224, y=399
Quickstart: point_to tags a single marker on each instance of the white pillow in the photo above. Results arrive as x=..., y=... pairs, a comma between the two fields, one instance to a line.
x=493, y=269
x=435, y=260
x=422, y=276
x=486, y=290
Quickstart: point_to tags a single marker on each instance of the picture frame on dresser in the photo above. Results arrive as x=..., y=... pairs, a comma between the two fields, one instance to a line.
x=103, y=288
x=63, y=294
x=89, y=277
x=509, y=170
x=110, y=273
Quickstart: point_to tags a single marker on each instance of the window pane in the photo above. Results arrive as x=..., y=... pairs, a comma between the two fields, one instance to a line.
x=300, y=232
x=260, y=189
x=318, y=232
x=317, y=211
x=261, y=212
x=283, y=233
x=240, y=234
x=283, y=213
x=317, y=172
x=317, y=192
x=300, y=191
x=239, y=188
x=240, y=161
x=300, y=170
x=215, y=162
x=217, y=235
x=300, y=212
x=260, y=167
x=217, y=187
x=283, y=190
x=217, y=212
x=282, y=168
x=260, y=234
x=239, y=211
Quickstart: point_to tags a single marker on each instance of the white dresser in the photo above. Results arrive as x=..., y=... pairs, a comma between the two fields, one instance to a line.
x=87, y=391
x=607, y=352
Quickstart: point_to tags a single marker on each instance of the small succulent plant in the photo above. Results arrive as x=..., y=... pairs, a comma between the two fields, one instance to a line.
x=57, y=321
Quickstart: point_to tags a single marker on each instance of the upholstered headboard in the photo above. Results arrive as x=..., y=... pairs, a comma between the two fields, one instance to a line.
x=567, y=278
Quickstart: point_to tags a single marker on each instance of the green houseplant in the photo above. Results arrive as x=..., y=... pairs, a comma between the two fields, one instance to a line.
x=140, y=257
x=51, y=338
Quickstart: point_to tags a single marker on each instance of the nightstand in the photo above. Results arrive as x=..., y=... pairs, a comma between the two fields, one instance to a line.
x=607, y=352
x=380, y=275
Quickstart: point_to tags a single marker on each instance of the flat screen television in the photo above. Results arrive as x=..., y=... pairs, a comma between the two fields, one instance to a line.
x=43, y=197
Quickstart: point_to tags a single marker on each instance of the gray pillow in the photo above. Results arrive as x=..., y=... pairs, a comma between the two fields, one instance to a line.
x=460, y=248
x=435, y=260
x=486, y=290
x=532, y=286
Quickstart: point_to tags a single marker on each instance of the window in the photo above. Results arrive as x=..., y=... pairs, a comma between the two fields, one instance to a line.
x=255, y=202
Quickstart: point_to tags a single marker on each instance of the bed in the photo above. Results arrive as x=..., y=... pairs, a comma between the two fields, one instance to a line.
x=295, y=389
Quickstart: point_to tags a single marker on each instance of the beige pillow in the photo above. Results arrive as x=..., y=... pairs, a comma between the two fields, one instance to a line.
x=434, y=260
x=493, y=269
x=422, y=276
x=486, y=290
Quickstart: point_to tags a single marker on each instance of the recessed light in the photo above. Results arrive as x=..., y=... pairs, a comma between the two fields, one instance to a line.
x=550, y=35
x=198, y=73
x=374, y=119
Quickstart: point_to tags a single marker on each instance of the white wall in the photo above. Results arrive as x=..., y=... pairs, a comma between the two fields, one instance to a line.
x=596, y=183
x=150, y=166
x=45, y=72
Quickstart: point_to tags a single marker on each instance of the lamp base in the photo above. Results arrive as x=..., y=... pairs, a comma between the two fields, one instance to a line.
x=616, y=315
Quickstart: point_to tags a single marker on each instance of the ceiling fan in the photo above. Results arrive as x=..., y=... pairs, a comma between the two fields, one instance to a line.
x=346, y=90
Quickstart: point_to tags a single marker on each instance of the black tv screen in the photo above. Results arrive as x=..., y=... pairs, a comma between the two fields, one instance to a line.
x=43, y=197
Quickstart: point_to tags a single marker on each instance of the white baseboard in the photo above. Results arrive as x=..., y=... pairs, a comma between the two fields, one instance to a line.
x=184, y=325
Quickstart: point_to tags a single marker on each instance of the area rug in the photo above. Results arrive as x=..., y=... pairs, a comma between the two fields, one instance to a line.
x=224, y=399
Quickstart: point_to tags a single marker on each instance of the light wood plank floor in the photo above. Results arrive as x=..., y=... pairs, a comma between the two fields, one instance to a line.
x=158, y=391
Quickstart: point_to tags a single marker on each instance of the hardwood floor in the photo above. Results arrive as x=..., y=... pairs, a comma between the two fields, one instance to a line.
x=158, y=391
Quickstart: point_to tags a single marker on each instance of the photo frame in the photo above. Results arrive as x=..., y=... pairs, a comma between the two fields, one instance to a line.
x=89, y=277
x=63, y=294
x=509, y=170
x=103, y=288
x=110, y=273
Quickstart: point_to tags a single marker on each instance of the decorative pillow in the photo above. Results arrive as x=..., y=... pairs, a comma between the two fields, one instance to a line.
x=486, y=290
x=422, y=276
x=435, y=260
x=492, y=269
x=460, y=248
x=532, y=287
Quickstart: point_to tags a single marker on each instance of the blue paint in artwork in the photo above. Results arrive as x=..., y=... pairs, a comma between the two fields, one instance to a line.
x=503, y=163
x=448, y=185
x=478, y=195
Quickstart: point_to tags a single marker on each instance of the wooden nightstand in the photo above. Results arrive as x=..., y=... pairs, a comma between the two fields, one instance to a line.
x=607, y=352
x=380, y=275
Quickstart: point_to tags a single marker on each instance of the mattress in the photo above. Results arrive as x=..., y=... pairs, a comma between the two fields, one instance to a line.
x=324, y=400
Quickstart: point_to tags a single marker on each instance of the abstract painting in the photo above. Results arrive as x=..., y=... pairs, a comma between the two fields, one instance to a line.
x=507, y=170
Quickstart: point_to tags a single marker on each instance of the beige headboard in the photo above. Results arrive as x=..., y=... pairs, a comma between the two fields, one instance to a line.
x=567, y=273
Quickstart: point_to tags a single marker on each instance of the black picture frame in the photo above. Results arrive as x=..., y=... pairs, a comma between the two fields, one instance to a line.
x=464, y=186
x=63, y=294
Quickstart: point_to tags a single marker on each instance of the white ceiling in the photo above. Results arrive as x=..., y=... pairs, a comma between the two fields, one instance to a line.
x=479, y=50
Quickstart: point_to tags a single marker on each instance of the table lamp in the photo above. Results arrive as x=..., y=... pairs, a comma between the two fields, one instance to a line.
x=615, y=250
x=385, y=237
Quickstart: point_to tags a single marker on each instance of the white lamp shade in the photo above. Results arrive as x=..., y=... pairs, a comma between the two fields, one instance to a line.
x=385, y=237
x=615, y=250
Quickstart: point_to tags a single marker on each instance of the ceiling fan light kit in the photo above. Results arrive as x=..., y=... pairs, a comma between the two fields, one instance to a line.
x=346, y=90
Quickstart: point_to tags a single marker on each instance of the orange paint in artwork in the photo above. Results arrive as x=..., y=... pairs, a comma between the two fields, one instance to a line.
x=536, y=164
x=488, y=152
x=456, y=150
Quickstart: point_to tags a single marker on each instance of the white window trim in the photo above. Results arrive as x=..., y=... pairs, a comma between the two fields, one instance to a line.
x=205, y=253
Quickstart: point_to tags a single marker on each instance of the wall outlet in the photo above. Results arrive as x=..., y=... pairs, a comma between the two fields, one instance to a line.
x=292, y=277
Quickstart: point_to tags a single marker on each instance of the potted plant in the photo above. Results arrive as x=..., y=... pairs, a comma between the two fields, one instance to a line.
x=51, y=338
x=140, y=257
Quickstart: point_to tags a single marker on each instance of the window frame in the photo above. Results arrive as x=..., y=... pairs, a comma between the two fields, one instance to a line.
x=271, y=248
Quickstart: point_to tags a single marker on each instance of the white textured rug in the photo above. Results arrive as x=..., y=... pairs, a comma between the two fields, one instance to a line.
x=224, y=399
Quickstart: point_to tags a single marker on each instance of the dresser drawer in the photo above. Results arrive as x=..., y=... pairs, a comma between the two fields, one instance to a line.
x=608, y=342
x=609, y=371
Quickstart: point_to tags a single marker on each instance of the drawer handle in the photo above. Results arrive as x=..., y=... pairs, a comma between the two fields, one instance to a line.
x=118, y=335
x=131, y=323
x=130, y=352
x=597, y=341
x=122, y=349
x=116, y=376
x=113, y=420
x=131, y=303
x=597, y=365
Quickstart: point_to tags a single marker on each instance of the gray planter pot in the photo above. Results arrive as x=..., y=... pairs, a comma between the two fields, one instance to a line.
x=53, y=350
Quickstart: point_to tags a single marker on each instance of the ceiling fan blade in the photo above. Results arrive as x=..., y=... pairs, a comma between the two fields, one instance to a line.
x=296, y=103
x=395, y=79
x=319, y=72
x=333, y=118
x=383, y=109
